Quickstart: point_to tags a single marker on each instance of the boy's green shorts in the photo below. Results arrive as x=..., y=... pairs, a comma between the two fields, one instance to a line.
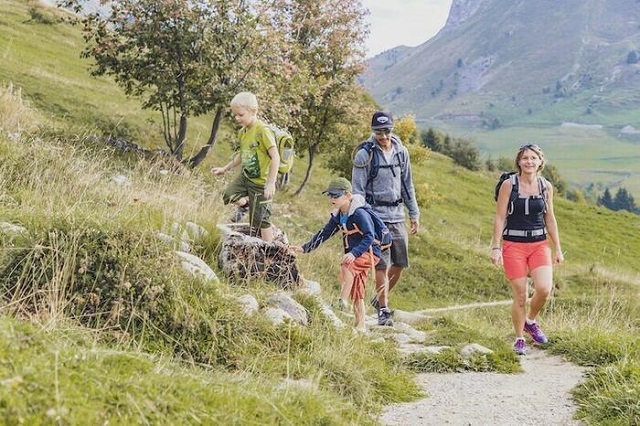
x=259, y=207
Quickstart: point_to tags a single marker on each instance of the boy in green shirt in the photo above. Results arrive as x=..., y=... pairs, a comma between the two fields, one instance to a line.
x=255, y=186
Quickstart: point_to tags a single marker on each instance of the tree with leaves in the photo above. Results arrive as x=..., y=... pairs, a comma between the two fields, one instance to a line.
x=338, y=151
x=465, y=153
x=552, y=174
x=187, y=58
x=432, y=139
x=606, y=200
x=407, y=129
x=624, y=201
x=327, y=44
x=183, y=58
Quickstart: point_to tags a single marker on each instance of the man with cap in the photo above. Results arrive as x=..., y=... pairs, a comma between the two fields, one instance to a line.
x=382, y=174
x=349, y=215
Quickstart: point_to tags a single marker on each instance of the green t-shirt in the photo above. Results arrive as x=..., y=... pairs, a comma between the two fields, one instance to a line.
x=254, y=145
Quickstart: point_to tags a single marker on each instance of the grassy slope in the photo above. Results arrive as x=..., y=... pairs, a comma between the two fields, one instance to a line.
x=597, y=291
x=43, y=59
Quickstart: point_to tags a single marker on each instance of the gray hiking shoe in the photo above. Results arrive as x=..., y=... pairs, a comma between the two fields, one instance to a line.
x=240, y=213
x=384, y=317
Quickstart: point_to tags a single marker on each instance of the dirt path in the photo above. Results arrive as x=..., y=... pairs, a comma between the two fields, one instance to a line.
x=538, y=396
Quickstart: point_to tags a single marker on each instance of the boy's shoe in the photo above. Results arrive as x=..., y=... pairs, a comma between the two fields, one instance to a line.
x=520, y=347
x=384, y=317
x=375, y=303
x=341, y=305
x=536, y=334
x=240, y=213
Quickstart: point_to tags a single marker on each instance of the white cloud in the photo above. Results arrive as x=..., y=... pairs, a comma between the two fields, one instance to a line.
x=405, y=22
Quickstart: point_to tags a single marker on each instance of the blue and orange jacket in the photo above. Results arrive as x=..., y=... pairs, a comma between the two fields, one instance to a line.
x=359, y=232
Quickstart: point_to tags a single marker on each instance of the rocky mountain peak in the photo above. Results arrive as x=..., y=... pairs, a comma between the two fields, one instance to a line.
x=460, y=11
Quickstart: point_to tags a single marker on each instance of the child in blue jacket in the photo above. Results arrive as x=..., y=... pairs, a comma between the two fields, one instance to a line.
x=360, y=253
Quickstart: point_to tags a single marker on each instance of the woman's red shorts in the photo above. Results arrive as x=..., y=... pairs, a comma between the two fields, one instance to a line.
x=521, y=258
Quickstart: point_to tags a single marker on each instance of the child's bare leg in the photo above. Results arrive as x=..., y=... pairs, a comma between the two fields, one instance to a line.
x=267, y=233
x=241, y=202
x=358, y=311
x=347, y=284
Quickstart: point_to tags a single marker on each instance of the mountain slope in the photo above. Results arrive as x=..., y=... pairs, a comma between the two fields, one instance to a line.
x=518, y=57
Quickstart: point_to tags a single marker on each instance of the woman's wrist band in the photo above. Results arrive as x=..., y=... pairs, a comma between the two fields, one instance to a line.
x=496, y=248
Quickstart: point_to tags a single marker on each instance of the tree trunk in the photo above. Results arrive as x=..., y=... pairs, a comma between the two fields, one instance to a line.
x=312, y=154
x=182, y=135
x=202, y=154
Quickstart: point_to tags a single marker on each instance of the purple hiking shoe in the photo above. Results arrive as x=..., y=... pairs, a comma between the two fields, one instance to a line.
x=520, y=347
x=536, y=334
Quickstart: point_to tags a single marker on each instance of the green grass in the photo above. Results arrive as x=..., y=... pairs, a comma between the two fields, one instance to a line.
x=99, y=323
x=65, y=377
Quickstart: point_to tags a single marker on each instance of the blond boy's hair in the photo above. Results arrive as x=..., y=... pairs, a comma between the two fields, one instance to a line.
x=246, y=100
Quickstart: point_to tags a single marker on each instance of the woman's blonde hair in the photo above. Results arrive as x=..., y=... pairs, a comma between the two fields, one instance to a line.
x=530, y=147
x=246, y=100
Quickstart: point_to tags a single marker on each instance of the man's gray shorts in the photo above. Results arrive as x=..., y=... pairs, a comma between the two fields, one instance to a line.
x=398, y=253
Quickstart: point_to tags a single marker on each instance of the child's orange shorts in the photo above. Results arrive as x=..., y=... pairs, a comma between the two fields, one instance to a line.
x=359, y=268
x=521, y=258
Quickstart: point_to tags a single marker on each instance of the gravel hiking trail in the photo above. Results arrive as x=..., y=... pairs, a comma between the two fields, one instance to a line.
x=540, y=395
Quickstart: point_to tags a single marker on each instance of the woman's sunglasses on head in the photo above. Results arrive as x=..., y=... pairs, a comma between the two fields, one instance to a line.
x=529, y=146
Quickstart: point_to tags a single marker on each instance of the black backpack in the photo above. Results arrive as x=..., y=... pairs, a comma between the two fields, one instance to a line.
x=382, y=234
x=515, y=188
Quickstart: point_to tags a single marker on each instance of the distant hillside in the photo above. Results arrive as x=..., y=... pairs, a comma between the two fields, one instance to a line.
x=516, y=60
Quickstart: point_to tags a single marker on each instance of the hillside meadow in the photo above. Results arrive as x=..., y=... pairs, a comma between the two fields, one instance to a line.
x=99, y=323
x=600, y=156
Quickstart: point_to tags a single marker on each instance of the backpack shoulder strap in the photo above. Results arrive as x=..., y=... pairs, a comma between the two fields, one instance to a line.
x=542, y=186
x=515, y=186
x=374, y=161
x=402, y=153
x=515, y=191
x=367, y=147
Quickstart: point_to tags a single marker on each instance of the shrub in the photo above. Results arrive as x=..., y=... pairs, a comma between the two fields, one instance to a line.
x=98, y=278
x=427, y=195
x=465, y=154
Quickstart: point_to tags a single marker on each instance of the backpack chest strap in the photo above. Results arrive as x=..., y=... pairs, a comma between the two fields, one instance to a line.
x=346, y=232
x=355, y=230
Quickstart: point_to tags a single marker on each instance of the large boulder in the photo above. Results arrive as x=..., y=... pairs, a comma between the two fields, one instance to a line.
x=245, y=258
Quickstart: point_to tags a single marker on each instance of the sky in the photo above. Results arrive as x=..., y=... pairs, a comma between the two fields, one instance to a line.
x=403, y=22
x=399, y=22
